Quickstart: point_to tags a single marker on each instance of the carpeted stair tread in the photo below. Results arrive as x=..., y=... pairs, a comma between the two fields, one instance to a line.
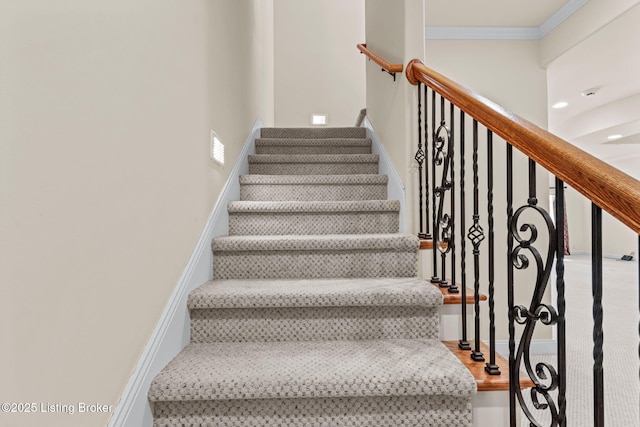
x=254, y=293
x=313, y=158
x=313, y=164
x=289, y=370
x=312, y=146
x=356, y=179
x=313, y=187
x=314, y=133
x=313, y=217
x=315, y=256
x=314, y=206
x=329, y=242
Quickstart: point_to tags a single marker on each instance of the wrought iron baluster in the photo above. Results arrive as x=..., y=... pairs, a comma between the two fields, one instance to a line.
x=443, y=142
x=464, y=343
x=476, y=236
x=514, y=371
x=419, y=157
x=561, y=329
x=436, y=243
x=443, y=222
x=533, y=199
x=453, y=287
x=598, y=336
x=543, y=375
x=491, y=368
x=426, y=164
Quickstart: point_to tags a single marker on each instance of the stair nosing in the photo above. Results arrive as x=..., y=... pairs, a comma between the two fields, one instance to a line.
x=318, y=132
x=281, y=293
x=313, y=206
x=347, y=179
x=313, y=158
x=313, y=142
x=399, y=242
x=415, y=365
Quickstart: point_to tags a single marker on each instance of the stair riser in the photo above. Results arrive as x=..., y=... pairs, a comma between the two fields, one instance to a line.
x=313, y=168
x=313, y=264
x=312, y=223
x=313, y=133
x=387, y=411
x=310, y=192
x=309, y=149
x=313, y=324
x=313, y=146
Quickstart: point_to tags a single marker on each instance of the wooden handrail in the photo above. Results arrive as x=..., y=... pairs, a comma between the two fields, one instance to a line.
x=389, y=68
x=609, y=188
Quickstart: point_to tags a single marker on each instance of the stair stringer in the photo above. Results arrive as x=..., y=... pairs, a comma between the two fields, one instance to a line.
x=171, y=333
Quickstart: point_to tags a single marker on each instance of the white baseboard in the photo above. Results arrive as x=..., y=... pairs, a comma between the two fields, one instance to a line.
x=396, y=190
x=171, y=333
x=537, y=347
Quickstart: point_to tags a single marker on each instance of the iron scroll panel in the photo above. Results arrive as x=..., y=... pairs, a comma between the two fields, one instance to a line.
x=544, y=376
x=444, y=224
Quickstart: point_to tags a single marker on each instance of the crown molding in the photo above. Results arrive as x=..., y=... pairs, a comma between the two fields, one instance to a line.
x=560, y=16
x=482, y=33
x=506, y=33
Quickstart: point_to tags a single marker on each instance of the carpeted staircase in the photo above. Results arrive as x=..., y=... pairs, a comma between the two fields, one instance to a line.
x=315, y=315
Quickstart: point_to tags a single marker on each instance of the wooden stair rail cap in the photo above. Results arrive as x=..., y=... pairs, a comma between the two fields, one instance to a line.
x=609, y=188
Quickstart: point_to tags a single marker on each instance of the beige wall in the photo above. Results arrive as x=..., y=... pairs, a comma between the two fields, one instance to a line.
x=395, y=31
x=105, y=180
x=505, y=71
x=317, y=66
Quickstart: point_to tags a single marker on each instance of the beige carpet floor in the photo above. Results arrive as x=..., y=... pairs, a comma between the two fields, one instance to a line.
x=621, y=363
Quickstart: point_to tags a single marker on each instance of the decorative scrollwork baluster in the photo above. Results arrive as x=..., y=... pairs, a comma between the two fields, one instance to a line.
x=444, y=146
x=544, y=376
x=434, y=277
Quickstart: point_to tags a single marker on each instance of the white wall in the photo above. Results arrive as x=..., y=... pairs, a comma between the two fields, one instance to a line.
x=317, y=66
x=105, y=180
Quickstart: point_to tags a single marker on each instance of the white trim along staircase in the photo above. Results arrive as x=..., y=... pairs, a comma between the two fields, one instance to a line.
x=315, y=315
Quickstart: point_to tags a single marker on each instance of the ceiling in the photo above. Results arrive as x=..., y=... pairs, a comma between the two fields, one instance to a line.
x=606, y=61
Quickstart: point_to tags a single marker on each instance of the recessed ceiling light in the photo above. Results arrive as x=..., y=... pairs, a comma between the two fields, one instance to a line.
x=616, y=136
x=558, y=105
